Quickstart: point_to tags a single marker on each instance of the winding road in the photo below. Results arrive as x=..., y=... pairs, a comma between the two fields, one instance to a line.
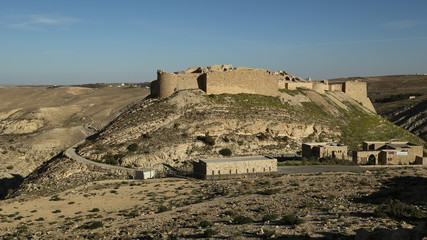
x=139, y=173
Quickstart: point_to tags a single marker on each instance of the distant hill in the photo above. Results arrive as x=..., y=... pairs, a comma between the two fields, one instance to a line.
x=401, y=99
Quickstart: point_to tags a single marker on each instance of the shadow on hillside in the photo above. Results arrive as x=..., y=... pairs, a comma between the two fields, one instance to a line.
x=408, y=189
x=7, y=185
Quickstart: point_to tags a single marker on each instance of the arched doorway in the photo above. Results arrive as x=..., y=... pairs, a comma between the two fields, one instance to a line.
x=372, y=160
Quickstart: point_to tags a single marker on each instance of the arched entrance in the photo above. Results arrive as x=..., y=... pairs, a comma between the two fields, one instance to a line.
x=372, y=159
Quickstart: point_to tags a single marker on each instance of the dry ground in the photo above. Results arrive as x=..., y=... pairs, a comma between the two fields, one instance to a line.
x=332, y=205
x=38, y=122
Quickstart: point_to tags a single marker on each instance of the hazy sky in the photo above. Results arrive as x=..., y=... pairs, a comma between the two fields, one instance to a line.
x=73, y=42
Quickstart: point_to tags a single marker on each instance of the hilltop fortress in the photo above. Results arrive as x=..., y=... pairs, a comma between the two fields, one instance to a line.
x=218, y=79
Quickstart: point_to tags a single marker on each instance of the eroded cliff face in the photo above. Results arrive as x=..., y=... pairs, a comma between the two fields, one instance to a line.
x=190, y=125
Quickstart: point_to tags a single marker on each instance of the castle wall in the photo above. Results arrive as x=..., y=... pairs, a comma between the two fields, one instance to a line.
x=320, y=87
x=242, y=80
x=336, y=87
x=358, y=91
x=154, y=88
x=294, y=85
x=219, y=79
x=168, y=83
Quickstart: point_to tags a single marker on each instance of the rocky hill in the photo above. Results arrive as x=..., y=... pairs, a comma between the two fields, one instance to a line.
x=190, y=125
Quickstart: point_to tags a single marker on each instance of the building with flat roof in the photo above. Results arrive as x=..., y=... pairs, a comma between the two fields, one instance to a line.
x=234, y=167
x=388, y=153
x=324, y=150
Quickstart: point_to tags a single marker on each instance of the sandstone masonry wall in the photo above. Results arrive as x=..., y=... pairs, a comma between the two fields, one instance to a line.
x=242, y=80
x=358, y=91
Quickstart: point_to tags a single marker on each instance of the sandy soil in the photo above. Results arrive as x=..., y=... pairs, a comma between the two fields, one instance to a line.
x=332, y=205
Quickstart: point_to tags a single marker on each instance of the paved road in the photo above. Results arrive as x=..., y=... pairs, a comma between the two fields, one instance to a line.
x=338, y=168
x=140, y=172
x=319, y=168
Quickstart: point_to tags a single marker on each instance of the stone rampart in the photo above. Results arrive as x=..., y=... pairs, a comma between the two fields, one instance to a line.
x=294, y=85
x=358, y=91
x=336, y=87
x=168, y=83
x=242, y=80
x=219, y=79
x=320, y=87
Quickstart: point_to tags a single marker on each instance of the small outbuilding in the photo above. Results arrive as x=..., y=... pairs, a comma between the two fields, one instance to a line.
x=144, y=173
x=324, y=150
x=234, y=167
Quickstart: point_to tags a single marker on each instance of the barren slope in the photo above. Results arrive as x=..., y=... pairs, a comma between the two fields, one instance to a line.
x=36, y=123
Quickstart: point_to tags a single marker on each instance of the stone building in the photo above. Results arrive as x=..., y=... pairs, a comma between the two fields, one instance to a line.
x=234, y=167
x=388, y=153
x=219, y=79
x=324, y=150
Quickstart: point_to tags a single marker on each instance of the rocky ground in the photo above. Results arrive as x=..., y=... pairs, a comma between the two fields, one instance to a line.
x=298, y=206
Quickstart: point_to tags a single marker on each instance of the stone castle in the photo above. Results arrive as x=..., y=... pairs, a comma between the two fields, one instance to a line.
x=218, y=79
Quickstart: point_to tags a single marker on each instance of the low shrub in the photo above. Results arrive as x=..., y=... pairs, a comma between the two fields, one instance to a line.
x=398, y=210
x=94, y=210
x=269, y=191
x=163, y=208
x=209, y=233
x=208, y=140
x=92, y=225
x=132, y=147
x=225, y=152
x=291, y=219
x=269, y=217
x=205, y=224
x=243, y=219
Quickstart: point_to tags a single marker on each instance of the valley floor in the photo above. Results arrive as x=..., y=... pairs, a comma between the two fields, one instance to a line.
x=330, y=205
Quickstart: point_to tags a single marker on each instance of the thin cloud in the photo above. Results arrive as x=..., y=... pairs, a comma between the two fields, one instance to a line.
x=39, y=22
x=401, y=24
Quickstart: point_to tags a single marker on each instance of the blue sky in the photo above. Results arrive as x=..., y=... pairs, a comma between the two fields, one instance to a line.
x=74, y=42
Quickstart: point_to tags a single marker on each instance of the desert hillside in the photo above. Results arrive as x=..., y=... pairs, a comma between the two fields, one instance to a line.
x=190, y=125
x=37, y=123
x=400, y=99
